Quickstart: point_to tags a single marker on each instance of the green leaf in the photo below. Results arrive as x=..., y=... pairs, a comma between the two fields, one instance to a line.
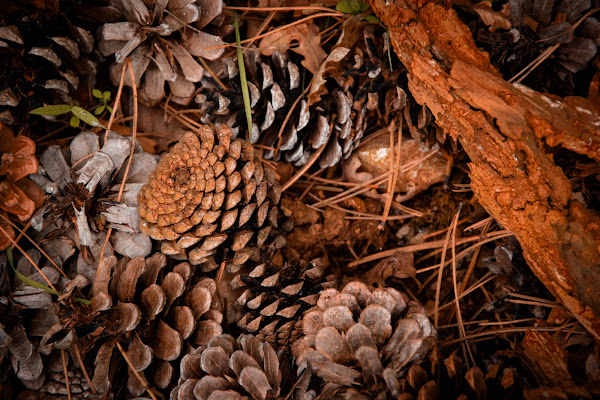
x=97, y=94
x=362, y=6
x=244, y=82
x=57, y=109
x=26, y=279
x=371, y=18
x=74, y=122
x=85, y=116
x=106, y=95
x=109, y=108
x=99, y=110
x=348, y=6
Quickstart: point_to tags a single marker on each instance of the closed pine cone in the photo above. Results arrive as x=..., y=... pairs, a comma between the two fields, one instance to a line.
x=231, y=369
x=359, y=341
x=274, y=299
x=154, y=312
x=361, y=92
x=208, y=195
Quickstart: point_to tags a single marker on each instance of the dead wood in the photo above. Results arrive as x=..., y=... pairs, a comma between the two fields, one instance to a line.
x=503, y=128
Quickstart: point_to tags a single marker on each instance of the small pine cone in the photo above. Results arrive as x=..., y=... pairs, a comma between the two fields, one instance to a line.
x=19, y=196
x=355, y=98
x=45, y=55
x=164, y=40
x=272, y=305
x=211, y=193
x=82, y=183
x=157, y=313
x=234, y=370
x=365, y=338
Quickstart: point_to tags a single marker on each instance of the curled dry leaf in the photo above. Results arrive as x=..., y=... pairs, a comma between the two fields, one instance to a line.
x=309, y=44
x=421, y=165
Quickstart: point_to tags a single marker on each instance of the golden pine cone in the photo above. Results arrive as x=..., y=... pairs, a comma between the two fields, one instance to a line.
x=155, y=312
x=210, y=193
x=232, y=369
x=358, y=341
x=274, y=299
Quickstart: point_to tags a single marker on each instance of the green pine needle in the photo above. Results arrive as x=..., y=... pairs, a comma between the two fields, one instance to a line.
x=244, y=82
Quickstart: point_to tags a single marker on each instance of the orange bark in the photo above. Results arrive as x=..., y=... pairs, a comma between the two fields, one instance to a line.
x=502, y=126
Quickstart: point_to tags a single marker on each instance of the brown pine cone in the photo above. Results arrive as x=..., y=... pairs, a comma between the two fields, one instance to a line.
x=359, y=341
x=209, y=194
x=358, y=92
x=232, y=369
x=82, y=183
x=274, y=299
x=155, y=312
x=45, y=53
x=531, y=28
x=164, y=40
x=19, y=196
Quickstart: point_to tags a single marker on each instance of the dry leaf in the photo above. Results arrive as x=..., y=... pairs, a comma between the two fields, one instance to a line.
x=309, y=44
x=494, y=19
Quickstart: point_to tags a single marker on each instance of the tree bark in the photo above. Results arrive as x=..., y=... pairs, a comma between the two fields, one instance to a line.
x=503, y=128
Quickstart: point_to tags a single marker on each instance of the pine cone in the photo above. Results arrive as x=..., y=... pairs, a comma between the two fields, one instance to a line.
x=361, y=90
x=164, y=39
x=205, y=198
x=358, y=341
x=272, y=305
x=19, y=196
x=232, y=369
x=157, y=311
x=535, y=26
x=506, y=378
x=82, y=183
x=44, y=56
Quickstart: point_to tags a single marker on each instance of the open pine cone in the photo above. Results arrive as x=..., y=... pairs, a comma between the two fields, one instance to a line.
x=209, y=194
x=530, y=28
x=234, y=370
x=163, y=39
x=82, y=183
x=154, y=312
x=358, y=341
x=274, y=299
x=19, y=196
x=44, y=56
x=358, y=91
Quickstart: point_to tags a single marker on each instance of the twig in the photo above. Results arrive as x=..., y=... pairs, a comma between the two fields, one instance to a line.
x=15, y=244
x=429, y=245
x=133, y=139
x=64, y=360
x=85, y=374
x=135, y=372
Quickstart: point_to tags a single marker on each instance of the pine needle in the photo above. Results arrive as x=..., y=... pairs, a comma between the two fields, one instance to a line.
x=243, y=81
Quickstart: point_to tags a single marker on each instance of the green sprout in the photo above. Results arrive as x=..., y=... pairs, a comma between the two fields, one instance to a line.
x=103, y=98
x=355, y=7
x=79, y=114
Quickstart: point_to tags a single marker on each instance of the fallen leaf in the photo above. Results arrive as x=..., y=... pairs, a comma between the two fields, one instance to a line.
x=309, y=44
x=494, y=19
